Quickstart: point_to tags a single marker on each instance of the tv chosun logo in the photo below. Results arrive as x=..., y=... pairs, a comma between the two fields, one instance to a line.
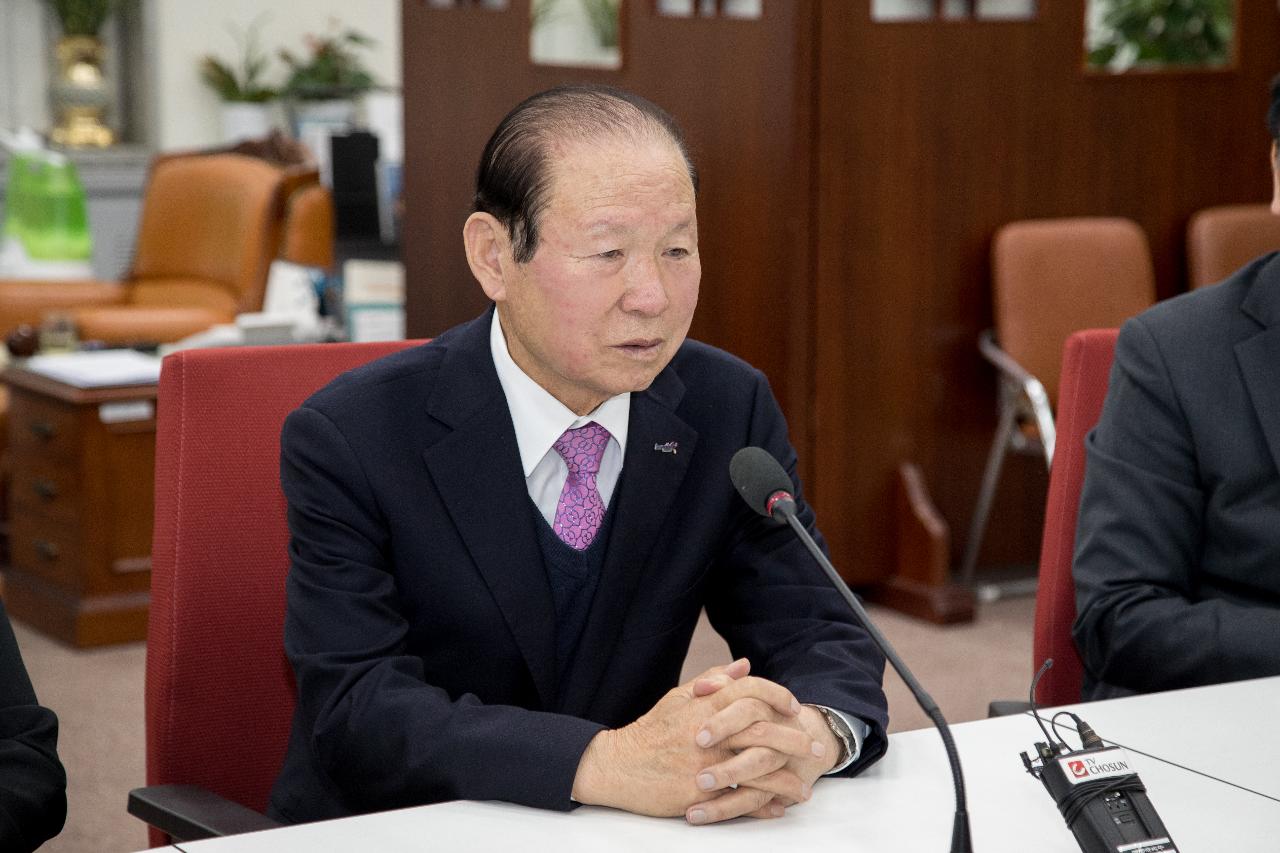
x=1101, y=764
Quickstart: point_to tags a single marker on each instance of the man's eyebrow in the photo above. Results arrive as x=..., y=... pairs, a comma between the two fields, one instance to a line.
x=609, y=227
x=605, y=226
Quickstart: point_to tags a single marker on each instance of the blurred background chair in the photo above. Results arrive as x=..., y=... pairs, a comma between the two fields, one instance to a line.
x=1050, y=277
x=1221, y=240
x=211, y=225
x=219, y=690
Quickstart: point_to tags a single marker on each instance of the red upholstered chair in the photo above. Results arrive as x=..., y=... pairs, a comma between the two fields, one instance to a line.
x=219, y=691
x=1086, y=368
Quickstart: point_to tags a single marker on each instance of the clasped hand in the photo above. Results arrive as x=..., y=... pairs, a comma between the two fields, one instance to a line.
x=723, y=745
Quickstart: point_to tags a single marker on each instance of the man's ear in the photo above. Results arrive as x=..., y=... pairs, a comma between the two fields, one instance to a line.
x=485, y=241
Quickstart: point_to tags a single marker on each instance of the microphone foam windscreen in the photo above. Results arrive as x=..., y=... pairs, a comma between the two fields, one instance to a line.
x=757, y=476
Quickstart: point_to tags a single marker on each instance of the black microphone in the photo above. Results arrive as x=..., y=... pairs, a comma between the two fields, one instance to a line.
x=764, y=485
x=1098, y=793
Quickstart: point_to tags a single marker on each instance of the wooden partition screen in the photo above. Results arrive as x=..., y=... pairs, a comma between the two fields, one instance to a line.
x=853, y=173
x=930, y=136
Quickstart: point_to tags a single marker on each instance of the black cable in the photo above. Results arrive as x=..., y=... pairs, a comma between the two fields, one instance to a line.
x=1109, y=742
x=1053, y=721
x=1035, y=710
x=1081, y=795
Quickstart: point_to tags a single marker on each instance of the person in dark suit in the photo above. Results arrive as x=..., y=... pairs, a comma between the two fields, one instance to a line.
x=33, y=785
x=501, y=541
x=1177, y=563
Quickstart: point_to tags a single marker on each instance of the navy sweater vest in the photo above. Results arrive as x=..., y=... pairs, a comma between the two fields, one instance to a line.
x=574, y=576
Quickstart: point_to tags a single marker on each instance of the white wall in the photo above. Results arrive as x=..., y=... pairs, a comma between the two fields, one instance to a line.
x=184, y=113
x=23, y=61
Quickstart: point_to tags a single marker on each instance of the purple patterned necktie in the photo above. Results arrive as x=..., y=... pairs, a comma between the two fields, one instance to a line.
x=580, y=509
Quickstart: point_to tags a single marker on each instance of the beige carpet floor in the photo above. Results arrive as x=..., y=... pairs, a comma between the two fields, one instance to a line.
x=98, y=698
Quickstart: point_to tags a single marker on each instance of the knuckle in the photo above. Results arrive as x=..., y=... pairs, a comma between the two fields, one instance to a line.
x=764, y=760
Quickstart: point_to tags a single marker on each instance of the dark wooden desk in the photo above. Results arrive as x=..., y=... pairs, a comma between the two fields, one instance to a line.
x=80, y=465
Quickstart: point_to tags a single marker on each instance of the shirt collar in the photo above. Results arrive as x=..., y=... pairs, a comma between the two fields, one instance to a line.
x=540, y=418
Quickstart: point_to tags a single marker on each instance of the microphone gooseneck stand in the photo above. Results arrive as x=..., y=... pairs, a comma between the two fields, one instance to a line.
x=766, y=487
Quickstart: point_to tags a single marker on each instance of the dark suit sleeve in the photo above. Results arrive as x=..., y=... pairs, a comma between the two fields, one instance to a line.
x=774, y=605
x=383, y=735
x=1140, y=626
x=33, y=785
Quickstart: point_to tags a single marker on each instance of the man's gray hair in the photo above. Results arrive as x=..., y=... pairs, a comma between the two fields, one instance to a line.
x=513, y=181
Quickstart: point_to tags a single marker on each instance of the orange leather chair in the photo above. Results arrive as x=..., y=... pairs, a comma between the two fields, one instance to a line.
x=1051, y=277
x=211, y=226
x=219, y=690
x=1220, y=240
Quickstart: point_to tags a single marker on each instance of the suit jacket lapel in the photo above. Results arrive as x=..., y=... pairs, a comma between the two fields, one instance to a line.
x=645, y=496
x=1259, y=355
x=477, y=469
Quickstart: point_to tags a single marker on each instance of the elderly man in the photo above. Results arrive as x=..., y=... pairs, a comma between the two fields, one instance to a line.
x=1177, y=563
x=502, y=540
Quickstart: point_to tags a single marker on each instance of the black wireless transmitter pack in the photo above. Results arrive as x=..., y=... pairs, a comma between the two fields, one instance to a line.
x=1096, y=789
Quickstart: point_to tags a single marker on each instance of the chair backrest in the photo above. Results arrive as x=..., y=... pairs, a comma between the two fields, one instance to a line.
x=211, y=223
x=308, y=227
x=1052, y=277
x=219, y=691
x=1220, y=240
x=1086, y=368
x=308, y=233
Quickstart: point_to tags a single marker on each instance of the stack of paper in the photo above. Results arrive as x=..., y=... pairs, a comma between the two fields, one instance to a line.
x=102, y=369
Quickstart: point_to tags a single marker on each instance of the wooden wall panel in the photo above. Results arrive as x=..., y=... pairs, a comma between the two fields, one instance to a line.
x=853, y=174
x=931, y=135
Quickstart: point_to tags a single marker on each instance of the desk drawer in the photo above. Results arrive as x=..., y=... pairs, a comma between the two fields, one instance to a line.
x=42, y=426
x=47, y=489
x=46, y=548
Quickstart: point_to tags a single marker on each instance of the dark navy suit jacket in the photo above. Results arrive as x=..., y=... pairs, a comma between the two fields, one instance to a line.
x=420, y=619
x=33, y=784
x=1177, y=563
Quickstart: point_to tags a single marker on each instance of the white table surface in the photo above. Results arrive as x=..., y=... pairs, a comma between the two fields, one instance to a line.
x=905, y=801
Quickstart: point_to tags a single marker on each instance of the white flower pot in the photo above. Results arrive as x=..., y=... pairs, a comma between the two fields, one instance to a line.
x=336, y=116
x=246, y=121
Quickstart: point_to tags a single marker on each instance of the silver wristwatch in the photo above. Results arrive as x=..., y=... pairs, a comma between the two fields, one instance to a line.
x=840, y=729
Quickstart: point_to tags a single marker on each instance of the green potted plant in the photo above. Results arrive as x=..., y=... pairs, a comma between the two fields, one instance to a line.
x=324, y=84
x=80, y=93
x=247, y=110
x=84, y=17
x=1156, y=33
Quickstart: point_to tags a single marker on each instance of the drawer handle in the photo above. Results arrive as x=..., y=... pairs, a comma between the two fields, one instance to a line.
x=46, y=549
x=45, y=489
x=44, y=430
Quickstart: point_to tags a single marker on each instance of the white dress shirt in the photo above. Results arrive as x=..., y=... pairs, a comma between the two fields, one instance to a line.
x=540, y=419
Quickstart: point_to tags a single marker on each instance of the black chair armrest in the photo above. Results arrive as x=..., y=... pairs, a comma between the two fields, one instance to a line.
x=1007, y=708
x=190, y=813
